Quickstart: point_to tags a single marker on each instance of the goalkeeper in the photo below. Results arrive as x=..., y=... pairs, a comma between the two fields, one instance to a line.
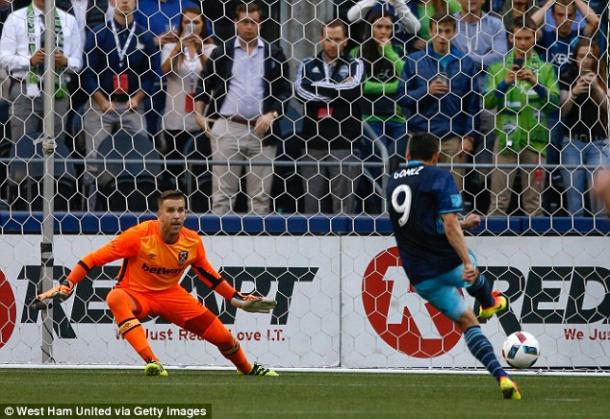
x=155, y=254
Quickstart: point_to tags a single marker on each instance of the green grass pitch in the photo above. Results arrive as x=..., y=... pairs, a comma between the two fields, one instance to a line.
x=316, y=395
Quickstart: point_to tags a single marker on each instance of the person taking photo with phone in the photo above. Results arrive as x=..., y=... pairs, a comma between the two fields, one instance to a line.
x=439, y=93
x=524, y=92
x=182, y=64
x=584, y=113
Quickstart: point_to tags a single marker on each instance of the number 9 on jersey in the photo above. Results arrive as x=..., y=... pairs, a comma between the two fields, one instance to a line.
x=402, y=207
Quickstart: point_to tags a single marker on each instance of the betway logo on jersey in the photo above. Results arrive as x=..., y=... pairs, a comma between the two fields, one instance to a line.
x=161, y=270
x=87, y=298
x=398, y=316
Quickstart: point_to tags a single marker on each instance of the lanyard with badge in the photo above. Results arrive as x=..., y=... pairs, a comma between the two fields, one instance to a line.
x=120, y=82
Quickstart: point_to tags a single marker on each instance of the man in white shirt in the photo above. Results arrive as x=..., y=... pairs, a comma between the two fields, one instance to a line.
x=22, y=54
x=245, y=87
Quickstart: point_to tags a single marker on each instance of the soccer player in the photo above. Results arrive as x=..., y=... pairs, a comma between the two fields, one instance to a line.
x=424, y=202
x=155, y=254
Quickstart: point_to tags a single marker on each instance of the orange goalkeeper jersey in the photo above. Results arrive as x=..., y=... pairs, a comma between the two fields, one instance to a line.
x=151, y=264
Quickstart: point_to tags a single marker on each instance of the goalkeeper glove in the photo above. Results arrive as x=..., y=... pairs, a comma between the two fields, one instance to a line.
x=252, y=303
x=61, y=291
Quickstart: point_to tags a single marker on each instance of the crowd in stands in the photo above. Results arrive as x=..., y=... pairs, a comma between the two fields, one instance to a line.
x=516, y=91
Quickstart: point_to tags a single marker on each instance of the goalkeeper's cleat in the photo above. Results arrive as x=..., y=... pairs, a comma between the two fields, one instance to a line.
x=155, y=368
x=258, y=369
x=500, y=305
x=509, y=389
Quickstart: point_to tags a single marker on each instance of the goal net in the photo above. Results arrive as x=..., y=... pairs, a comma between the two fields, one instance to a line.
x=295, y=210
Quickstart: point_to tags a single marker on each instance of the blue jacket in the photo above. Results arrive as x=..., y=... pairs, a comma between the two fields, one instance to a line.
x=451, y=114
x=101, y=59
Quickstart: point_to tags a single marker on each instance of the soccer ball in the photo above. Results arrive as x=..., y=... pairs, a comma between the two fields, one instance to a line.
x=521, y=350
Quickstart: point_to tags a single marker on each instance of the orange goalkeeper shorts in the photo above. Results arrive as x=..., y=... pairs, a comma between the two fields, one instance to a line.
x=175, y=304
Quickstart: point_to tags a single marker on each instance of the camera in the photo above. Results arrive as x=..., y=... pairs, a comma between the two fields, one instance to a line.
x=518, y=63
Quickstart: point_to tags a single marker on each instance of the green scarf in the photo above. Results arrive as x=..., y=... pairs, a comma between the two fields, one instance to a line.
x=32, y=76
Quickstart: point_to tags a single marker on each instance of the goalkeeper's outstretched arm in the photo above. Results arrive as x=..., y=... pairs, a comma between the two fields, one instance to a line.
x=123, y=246
x=215, y=281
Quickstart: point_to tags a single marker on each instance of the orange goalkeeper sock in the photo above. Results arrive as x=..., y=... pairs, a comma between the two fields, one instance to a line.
x=237, y=356
x=229, y=347
x=211, y=329
x=135, y=335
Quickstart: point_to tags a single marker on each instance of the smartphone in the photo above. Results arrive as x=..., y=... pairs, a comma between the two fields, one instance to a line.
x=588, y=76
x=444, y=77
x=190, y=29
x=518, y=63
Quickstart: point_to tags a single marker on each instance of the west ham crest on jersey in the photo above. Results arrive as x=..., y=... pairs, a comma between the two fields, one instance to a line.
x=183, y=255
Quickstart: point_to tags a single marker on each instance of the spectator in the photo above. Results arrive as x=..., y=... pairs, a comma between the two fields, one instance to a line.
x=162, y=18
x=22, y=53
x=383, y=66
x=5, y=146
x=118, y=77
x=558, y=40
x=584, y=113
x=330, y=87
x=440, y=94
x=183, y=63
x=245, y=82
x=524, y=91
x=481, y=36
x=426, y=9
x=408, y=24
x=88, y=13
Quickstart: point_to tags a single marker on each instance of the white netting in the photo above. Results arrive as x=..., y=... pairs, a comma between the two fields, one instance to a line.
x=301, y=143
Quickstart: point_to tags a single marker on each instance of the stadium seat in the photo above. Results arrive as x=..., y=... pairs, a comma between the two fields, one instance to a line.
x=127, y=178
x=197, y=181
x=26, y=172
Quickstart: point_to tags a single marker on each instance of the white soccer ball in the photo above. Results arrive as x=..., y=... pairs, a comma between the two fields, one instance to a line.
x=521, y=350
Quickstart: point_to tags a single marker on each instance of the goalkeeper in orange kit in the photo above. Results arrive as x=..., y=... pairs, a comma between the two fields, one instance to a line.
x=155, y=254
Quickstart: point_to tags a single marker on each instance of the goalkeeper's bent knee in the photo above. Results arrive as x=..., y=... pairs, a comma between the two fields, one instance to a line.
x=119, y=303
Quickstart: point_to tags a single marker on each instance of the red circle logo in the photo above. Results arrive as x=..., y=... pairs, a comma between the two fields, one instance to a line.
x=404, y=336
x=8, y=310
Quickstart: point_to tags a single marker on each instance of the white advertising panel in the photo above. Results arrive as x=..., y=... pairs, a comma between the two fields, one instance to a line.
x=341, y=302
x=558, y=289
x=302, y=273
